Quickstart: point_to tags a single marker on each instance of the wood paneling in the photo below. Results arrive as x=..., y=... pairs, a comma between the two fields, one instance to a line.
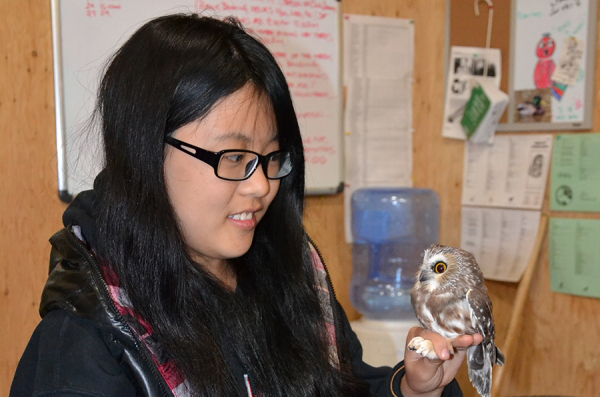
x=557, y=352
x=30, y=210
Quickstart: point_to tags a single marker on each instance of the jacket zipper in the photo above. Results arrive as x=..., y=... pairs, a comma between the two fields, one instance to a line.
x=108, y=299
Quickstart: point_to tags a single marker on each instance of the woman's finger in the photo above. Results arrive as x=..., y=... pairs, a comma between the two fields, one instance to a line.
x=465, y=341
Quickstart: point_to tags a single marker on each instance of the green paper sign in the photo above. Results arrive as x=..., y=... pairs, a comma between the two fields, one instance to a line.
x=575, y=256
x=576, y=173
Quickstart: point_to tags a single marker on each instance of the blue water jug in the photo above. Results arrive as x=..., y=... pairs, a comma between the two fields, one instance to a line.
x=391, y=228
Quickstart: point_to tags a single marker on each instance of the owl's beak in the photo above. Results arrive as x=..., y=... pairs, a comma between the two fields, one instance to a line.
x=422, y=278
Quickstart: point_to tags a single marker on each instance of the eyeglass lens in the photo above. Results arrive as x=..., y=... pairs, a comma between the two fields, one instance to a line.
x=240, y=165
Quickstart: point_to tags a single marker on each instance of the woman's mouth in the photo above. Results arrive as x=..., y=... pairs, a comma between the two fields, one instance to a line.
x=244, y=216
x=244, y=220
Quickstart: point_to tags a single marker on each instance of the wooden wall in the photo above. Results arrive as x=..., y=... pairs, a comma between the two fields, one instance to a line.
x=30, y=210
x=558, y=350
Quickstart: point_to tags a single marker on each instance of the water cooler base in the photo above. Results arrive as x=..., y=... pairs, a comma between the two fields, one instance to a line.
x=383, y=341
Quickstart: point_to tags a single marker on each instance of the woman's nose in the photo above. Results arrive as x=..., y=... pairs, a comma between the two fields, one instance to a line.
x=257, y=184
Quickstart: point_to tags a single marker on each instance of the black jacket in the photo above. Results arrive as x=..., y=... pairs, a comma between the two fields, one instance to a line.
x=84, y=347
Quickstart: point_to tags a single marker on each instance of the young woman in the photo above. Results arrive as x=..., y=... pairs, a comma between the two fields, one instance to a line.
x=186, y=271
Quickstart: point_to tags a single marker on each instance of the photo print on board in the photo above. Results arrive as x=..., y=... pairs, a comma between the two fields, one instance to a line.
x=468, y=65
x=533, y=106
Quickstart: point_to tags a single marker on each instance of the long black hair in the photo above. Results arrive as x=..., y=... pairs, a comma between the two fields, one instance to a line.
x=171, y=72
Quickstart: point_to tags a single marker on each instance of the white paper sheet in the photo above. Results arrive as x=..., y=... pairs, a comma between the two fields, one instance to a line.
x=378, y=67
x=512, y=172
x=569, y=62
x=467, y=65
x=501, y=240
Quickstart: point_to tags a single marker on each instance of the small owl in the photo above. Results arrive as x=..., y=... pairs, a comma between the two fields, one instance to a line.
x=450, y=298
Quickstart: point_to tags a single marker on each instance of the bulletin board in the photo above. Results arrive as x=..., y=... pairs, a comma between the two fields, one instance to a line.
x=303, y=36
x=538, y=39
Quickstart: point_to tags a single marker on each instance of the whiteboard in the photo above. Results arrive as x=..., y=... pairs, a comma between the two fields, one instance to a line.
x=304, y=37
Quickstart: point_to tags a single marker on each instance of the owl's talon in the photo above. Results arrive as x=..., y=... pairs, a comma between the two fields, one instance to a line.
x=422, y=346
x=412, y=345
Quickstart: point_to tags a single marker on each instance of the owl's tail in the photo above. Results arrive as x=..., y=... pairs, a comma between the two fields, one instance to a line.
x=500, y=360
x=481, y=359
x=480, y=368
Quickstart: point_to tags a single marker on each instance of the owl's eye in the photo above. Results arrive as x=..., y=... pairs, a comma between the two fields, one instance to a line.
x=440, y=267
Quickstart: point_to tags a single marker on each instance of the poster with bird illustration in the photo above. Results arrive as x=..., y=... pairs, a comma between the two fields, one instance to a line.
x=549, y=72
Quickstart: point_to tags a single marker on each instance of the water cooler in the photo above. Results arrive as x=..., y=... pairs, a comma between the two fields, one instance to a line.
x=391, y=228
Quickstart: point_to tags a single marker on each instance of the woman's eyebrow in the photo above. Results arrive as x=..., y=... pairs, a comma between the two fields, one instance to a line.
x=239, y=136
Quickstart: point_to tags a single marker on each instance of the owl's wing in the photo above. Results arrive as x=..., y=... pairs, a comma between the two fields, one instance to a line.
x=480, y=308
x=482, y=357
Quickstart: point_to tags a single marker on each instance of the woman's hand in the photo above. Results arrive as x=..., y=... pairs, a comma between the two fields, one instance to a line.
x=425, y=377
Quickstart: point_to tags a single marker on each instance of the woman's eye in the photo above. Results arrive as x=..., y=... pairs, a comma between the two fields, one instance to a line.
x=275, y=157
x=440, y=267
x=234, y=157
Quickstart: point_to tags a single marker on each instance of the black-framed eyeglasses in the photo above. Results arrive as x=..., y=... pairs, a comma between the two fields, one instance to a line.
x=238, y=164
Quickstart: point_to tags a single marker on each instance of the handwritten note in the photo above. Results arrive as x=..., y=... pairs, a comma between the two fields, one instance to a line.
x=561, y=6
x=281, y=22
x=318, y=149
x=101, y=8
x=574, y=256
